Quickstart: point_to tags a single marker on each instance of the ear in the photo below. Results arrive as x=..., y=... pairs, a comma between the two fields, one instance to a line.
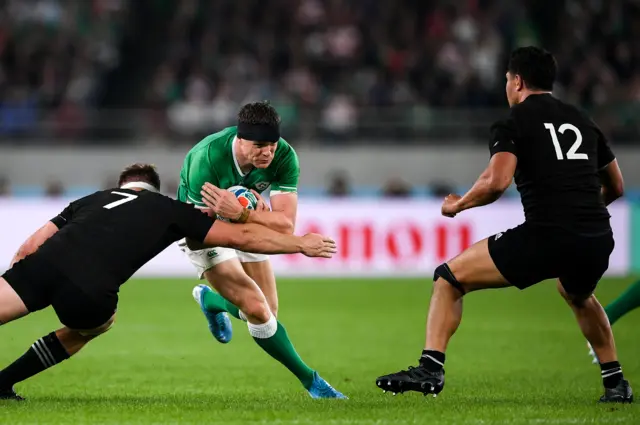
x=518, y=82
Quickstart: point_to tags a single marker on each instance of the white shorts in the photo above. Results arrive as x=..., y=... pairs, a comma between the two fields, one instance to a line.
x=205, y=259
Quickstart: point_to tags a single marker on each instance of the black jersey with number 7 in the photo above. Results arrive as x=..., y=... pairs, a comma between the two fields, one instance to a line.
x=105, y=237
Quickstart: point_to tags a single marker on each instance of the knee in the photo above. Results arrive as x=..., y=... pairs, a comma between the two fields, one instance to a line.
x=574, y=300
x=92, y=333
x=273, y=306
x=444, y=272
x=257, y=308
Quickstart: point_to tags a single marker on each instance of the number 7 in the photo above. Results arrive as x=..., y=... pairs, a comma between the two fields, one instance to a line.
x=128, y=197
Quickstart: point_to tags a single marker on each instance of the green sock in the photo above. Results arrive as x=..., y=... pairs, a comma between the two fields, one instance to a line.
x=280, y=348
x=626, y=302
x=216, y=303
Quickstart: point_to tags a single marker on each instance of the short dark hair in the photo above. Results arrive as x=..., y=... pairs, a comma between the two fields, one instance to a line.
x=536, y=66
x=140, y=173
x=259, y=113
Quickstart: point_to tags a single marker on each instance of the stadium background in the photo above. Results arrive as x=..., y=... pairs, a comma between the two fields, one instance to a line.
x=388, y=104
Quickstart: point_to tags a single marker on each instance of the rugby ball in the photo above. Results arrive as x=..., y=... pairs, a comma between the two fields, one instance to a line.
x=247, y=199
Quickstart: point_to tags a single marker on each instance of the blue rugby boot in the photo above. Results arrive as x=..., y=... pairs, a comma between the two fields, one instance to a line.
x=219, y=323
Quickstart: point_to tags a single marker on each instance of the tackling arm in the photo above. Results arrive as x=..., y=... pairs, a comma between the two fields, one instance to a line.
x=262, y=240
x=34, y=242
x=492, y=182
x=282, y=217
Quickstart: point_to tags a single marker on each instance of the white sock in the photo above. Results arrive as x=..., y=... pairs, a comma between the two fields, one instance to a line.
x=243, y=317
x=265, y=330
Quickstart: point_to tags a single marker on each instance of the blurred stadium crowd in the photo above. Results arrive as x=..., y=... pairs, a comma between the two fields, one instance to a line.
x=339, y=71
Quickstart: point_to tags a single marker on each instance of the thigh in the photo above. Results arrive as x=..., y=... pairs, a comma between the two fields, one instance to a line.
x=231, y=281
x=11, y=305
x=586, y=259
x=474, y=268
x=262, y=273
x=33, y=280
x=525, y=255
x=205, y=259
x=78, y=311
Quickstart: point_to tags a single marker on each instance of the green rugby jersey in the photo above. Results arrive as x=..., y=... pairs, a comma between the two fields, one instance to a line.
x=213, y=160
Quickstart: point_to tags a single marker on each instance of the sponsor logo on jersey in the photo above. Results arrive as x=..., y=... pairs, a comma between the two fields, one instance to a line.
x=262, y=186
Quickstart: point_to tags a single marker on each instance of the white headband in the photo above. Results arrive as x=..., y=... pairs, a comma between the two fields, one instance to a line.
x=139, y=185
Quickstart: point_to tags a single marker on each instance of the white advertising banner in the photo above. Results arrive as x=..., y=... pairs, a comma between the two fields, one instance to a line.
x=375, y=238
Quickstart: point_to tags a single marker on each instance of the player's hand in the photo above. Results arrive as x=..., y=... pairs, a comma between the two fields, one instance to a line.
x=222, y=202
x=315, y=245
x=262, y=204
x=450, y=205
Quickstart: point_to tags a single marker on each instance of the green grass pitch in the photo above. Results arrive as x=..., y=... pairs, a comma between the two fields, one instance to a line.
x=518, y=358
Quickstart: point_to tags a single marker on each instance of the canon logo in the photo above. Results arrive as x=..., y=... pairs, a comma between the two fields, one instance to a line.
x=396, y=242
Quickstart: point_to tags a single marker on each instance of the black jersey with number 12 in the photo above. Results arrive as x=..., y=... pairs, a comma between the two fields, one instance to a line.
x=105, y=237
x=560, y=151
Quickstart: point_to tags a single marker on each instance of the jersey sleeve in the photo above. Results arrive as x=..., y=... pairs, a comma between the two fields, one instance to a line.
x=64, y=217
x=200, y=170
x=503, y=136
x=287, y=175
x=190, y=221
x=605, y=154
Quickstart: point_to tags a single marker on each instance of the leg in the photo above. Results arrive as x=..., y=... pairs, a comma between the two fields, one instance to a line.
x=260, y=270
x=240, y=290
x=11, y=305
x=46, y=352
x=595, y=327
x=472, y=270
x=629, y=300
x=593, y=323
x=512, y=258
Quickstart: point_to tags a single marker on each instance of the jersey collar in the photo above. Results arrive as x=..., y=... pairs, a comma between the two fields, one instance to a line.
x=139, y=185
x=235, y=159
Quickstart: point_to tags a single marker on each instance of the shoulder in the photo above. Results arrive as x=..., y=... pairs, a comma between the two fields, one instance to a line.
x=285, y=151
x=215, y=144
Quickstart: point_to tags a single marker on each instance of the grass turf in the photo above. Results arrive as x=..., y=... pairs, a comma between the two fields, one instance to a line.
x=518, y=358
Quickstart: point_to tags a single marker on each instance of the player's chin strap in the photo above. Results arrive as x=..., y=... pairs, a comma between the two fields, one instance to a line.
x=139, y=185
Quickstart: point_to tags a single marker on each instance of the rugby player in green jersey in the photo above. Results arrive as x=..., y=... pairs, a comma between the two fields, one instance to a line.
x=252, y=155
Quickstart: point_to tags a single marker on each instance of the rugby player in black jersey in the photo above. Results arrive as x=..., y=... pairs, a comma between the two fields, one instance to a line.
x=77, y=262
x=566, y=174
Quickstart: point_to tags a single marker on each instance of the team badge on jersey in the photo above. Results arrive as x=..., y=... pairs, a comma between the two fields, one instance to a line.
x=262, y=186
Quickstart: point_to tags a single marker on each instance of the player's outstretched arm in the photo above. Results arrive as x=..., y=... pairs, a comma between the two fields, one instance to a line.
x=34, y=242
x=225, y=204
x=488, y=188
x=260, y=239
x=612, y=182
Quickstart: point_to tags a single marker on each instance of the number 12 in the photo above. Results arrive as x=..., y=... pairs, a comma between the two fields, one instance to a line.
x=571, y=154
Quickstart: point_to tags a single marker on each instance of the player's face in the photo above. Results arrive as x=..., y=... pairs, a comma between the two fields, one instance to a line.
x=513, y=88
x=259, y=154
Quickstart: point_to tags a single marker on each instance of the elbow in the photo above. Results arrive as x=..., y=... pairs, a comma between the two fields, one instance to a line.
x=288, y=227
x=618, y=190
x=24, y=251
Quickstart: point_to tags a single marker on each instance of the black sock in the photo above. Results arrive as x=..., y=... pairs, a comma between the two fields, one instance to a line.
x=611, y=374
x=44, y=353
x=432, y=360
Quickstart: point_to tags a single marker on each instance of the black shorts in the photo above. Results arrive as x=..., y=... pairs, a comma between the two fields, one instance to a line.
x=528, y=254
x=40, y=285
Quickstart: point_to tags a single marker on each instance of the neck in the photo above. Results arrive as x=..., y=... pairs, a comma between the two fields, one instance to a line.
x=243, y=162
x=139, y=186
x=526, y=93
